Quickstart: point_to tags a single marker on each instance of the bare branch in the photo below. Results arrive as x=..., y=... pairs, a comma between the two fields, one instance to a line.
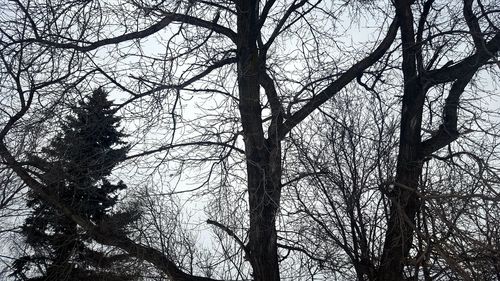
x=341, y=82
x=167, y=20
x=100, y=233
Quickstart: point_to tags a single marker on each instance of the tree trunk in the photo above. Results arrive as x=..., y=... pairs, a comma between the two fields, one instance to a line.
x=263, y=156
x=404, y=200
x=399, y=235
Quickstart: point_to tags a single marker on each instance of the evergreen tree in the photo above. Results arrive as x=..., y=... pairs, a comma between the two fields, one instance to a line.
x=75, y=168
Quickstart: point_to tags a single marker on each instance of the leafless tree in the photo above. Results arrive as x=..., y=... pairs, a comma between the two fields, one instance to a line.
x=221, y=95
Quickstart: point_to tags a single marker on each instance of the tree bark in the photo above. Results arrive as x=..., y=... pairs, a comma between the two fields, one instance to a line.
x=263, y=156
x=404, y=200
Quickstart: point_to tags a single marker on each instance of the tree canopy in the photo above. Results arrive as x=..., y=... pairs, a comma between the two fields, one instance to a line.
x=345, y=140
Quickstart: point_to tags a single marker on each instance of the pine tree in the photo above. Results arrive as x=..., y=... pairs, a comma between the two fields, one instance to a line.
x=75, y=167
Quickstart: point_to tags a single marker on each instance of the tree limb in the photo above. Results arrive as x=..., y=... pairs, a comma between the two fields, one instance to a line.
x=457, y=71
x=341, y=82
x=232, y=234
x=164, y=22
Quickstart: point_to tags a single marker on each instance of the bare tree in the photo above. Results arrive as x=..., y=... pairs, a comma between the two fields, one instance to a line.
x=222, y=87
x=349, y=160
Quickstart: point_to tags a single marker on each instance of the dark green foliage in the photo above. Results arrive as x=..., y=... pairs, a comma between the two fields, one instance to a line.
x=75, y=167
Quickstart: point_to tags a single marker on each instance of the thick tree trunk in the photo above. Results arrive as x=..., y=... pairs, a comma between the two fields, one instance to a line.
x=404, y=199
x=264, y=197
x=263, y=156
x=399, y=236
